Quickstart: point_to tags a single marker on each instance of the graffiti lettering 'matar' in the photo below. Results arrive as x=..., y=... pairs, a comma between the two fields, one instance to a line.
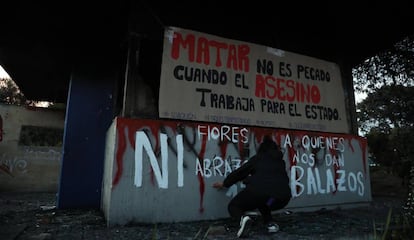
x=208, y=51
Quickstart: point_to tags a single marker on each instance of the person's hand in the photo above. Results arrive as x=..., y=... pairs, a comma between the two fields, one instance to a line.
x=218, y=185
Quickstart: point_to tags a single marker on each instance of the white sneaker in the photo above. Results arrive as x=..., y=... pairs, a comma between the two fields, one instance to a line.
x=272, y=228
x=245, y=223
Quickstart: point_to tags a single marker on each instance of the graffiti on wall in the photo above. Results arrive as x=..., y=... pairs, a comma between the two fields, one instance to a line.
x=309, y=153
x=205, y=167
x=13, y=165
x=318, y=163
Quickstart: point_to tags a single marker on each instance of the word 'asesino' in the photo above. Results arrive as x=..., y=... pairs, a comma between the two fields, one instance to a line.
x=271, y=88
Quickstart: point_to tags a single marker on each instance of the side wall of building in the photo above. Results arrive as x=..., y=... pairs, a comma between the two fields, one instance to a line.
x=30, y=148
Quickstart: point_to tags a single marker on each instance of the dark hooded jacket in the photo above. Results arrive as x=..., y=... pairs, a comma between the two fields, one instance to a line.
x=265, y=173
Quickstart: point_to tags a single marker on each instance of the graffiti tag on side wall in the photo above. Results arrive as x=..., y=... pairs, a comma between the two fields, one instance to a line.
x=19, y=164
x=13, y=164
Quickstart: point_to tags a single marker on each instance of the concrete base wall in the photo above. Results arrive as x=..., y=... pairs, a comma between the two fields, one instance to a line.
x=163, y=171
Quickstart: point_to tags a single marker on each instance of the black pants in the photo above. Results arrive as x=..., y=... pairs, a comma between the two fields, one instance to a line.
x=247, y=200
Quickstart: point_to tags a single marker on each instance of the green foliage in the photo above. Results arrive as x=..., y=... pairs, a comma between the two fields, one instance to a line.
x=387, y=118
x=380, y=148
x=386, y=115
x=394, y=150
x=400, y=225
x=10, y=93
x=388, y=68
x=386, y=108
x=388, y=80
x=396, y=226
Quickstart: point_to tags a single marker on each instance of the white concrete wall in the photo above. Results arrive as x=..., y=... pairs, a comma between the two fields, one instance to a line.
x=28, y=168
x=162, y=171
x=108, y=168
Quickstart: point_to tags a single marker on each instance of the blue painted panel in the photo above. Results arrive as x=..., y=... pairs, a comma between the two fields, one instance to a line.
x=89, y=114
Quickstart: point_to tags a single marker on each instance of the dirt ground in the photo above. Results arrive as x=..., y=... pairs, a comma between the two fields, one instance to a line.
x=34, y=216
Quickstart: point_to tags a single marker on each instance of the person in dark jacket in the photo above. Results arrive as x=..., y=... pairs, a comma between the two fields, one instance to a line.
x=267, y=187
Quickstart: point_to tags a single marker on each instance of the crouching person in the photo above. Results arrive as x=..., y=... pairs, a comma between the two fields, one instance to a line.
x=267, y=187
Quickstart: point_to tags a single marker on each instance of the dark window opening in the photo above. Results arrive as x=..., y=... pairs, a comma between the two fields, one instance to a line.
x=41, y=136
